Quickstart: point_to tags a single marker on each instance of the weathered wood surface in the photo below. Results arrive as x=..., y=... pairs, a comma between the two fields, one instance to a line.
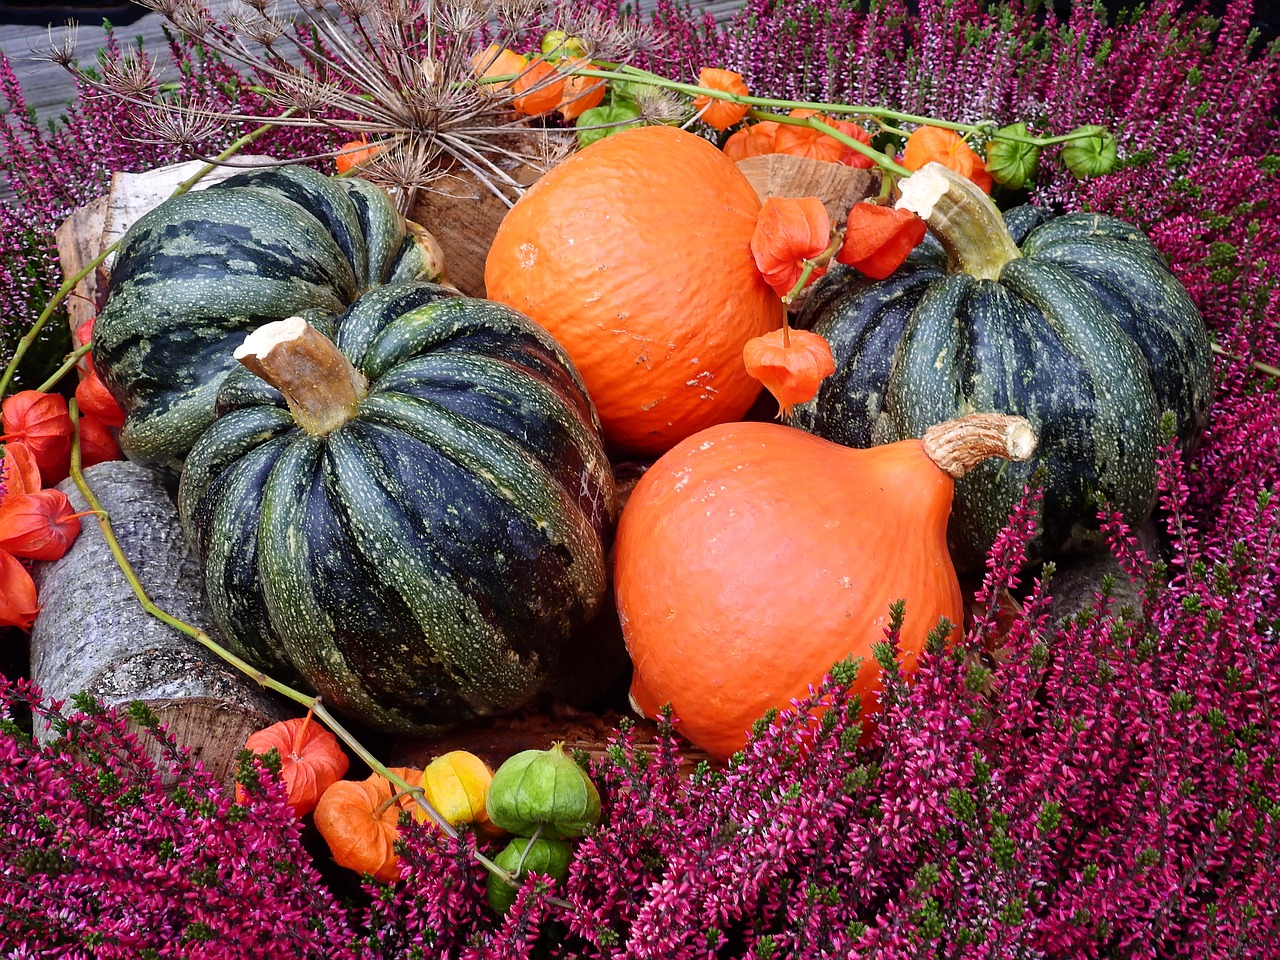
x=92, y=634
x=838, y=187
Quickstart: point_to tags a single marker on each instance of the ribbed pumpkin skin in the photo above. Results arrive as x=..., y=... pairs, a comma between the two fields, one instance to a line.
x=424, y=563
x=196, y=274
x=1088, y=335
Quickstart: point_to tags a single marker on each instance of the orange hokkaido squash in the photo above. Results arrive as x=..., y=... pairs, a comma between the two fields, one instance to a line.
x=751, y=557
x=635, y=254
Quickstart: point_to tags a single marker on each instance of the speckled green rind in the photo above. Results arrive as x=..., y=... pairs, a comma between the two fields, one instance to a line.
x=196, y=274
x=424, y=563
x=1088, y=335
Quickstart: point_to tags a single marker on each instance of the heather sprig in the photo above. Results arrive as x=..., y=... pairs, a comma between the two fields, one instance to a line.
x=117, y=844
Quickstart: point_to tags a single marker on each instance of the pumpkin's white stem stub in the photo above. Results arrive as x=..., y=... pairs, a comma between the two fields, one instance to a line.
x=321, y=386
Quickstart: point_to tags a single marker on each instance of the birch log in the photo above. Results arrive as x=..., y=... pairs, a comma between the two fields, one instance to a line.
x=92, y=634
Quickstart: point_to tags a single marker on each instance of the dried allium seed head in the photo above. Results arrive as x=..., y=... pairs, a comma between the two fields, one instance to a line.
x=405, y=166
x=357, y=9
x=462, y=18
x=599, y=34
x=658, y=106
x=257, y=28
x=305, y=94
x=188, y=128
x=165, y=8
x=517, y=16
x=62, y=49
x=131, y=77
x=638, y=38
x=192, y=19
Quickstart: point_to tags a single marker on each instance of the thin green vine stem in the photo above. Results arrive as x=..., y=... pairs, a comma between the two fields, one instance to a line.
x=312, y=703
x=1258, y=365
x=69, y=284
x=68, y=365
x=882, y=160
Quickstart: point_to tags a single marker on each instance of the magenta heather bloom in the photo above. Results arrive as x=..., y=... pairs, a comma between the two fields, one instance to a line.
x=1099, y=786
x=106, y=852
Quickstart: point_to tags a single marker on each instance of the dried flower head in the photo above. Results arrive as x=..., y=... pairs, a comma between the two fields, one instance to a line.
x=384, y=70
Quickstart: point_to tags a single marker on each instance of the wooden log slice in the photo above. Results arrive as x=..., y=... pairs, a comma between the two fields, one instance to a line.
x=93, y=635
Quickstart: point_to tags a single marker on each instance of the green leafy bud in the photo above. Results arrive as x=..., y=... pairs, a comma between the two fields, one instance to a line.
x=549, y=858
x=1012, y=163
x=543, y=788
x=1091, y=152
x=606, y=120
x=557, y=43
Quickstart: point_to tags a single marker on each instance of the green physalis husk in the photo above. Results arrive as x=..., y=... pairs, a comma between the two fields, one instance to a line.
x=557, y=44
x=1091, y=152
x=545, y=857
x=1012, y=163
x=543, y=789
x=621, y=114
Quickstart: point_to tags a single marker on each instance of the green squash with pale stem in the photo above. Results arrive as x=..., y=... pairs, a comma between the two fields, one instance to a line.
x=413, y=517
x=1074, y=322
x=197, y=273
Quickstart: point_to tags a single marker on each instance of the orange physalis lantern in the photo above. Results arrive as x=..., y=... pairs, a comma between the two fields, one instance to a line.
x=21, y=474
x=929, y=144
x=38, y=526
x=539, y=88
x=789, y=230
x=753, y=141
x=581, y=93
x=798, y=141
x=721, y=114
x=495, y=61
x=355, y=153
x=97, y=442
x=93, y=399
x=790, y=363
x=358, y=820
x=18, y=605
x=40, y=421
x=877, y=239
x=310, y=759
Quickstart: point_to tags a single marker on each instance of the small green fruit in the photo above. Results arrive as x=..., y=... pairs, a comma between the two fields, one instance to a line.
x=1091, y=153
x=606, y=120
x=543, y=788
x=557, y=43
x=548, y=858
x=1012, y=163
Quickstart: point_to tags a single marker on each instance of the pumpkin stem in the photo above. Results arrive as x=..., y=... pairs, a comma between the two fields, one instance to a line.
x=321, y=386
x=963, y=218
x=959, y=445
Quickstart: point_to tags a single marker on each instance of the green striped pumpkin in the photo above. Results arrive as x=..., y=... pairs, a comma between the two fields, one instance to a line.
x=426, y=561
x=1074, y=322
x=193, y=276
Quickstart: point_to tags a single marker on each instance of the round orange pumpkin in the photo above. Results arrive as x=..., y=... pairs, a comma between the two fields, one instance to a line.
x=635, y=254
x=752, y=557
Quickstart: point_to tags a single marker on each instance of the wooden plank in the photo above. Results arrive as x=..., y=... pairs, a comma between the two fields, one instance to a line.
x=49, y=88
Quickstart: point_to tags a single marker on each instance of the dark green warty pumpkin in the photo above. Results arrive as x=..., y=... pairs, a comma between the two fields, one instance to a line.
x=196, y=274
x=1074, y=322
x=411, y=518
